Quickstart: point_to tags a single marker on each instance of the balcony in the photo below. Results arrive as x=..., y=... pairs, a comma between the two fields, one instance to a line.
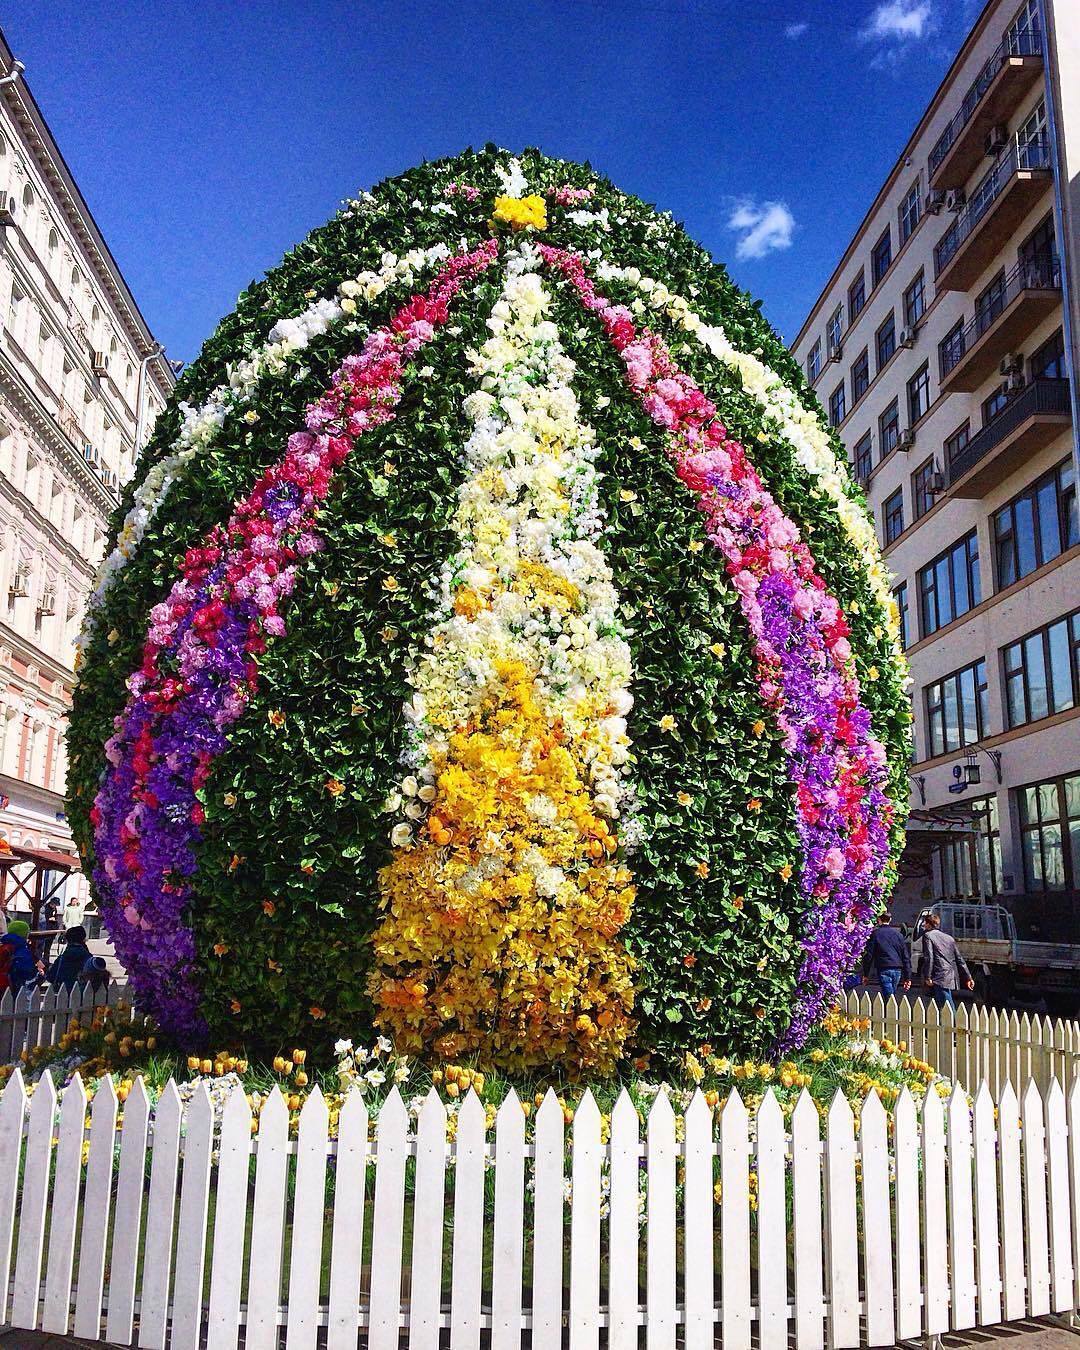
x=1024, y=426
x=1030, y=292
x=994, y=210
x=1007, y=76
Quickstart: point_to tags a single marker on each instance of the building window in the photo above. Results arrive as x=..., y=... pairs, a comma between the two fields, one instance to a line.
x=856, y=297
x=889, y=429
x=1023, y=37
x=881, y=258
x=918, y=394
x=957, y=442
x=860, y=376
x=892, y=514
x=1048, y=363
x=862, y=457
x=1037, y=255
x=1031, y=140
x=1049, y=829
x=910, y=211
x=885, y=341
x=957, y=711
x=1037, y=525
x=1042, y=672
x=834, y=331
x=18, y=295
x=984, y=818
x=951, y=348
x=949, y=586
x=989, y=304
x=922, y=487
x=915, y=301
x=813, y=362
x=996, y=403
x=903, y=614
x=837, y=405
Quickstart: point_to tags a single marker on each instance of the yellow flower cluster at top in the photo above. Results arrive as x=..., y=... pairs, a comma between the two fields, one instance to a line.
x=507, y=889
x=522, y=213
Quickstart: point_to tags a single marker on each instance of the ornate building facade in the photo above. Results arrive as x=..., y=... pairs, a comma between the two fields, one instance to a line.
x=81, y=381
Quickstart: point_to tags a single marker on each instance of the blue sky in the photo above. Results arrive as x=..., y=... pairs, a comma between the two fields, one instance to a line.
x=209, y=137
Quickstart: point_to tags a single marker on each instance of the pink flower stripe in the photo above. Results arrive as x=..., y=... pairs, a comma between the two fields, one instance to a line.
x=805, y=670
x=200, y=661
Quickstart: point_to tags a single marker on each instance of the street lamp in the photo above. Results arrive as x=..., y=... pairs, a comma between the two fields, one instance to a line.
x=972, y=771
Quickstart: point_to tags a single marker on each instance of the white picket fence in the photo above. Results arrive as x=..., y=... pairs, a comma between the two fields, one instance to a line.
x=865, y=1232
x=40, y=1014
x=975, y=1042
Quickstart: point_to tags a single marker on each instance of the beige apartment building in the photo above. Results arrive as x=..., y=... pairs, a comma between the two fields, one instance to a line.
x=942, y=349
x=81, y=380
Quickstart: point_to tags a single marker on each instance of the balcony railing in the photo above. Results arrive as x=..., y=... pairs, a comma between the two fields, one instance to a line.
x=1031, y=275
x=1021, y=157
x=1025, y=43
x=1040, y=396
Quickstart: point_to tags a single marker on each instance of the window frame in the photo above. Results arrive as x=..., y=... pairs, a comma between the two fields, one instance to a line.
x=888, y=429
x=1040, y=826
x=888, y=323
x=936, y=701
x=892, y=516
x=906, y=219
x=919, y=385
x=963, y=553
x=1017, y=674
x=857, y=290
x=838, y=404
x=882, y=248
x=1025, y=506
x=864, y=443
x=860, y=375
x=919, y=281
x=923, y=496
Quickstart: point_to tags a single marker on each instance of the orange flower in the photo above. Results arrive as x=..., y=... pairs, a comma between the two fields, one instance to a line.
x=785, y=871
x=276, y=718
x=235, y=1005
x=758, y=728
x=234, y=862
x=702, y=869
x=268, y=906
x=334, y=786
x=317, y=1012
x=220, y=948
x=689, y=960
x=754, y=804
x=738, y=901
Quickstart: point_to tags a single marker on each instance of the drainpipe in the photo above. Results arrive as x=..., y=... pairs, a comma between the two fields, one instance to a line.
x=140, y=410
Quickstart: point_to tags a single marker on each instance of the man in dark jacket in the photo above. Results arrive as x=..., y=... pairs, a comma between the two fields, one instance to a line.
x=68, y=966
x=886, y=956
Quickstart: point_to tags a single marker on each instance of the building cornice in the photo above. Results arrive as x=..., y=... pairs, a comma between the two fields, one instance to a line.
x=15, y=391
x=31, y=655
x=24, y=111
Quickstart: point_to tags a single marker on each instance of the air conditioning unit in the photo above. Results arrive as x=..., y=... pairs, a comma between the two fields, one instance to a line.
x=908, y=336
x=7, y=210
x=47, y=603
x=836, y=352
x=937, y=482
x=99, y=363
x=906, y=439
x=935, y=201
x=1011, y=364
x=996, y=140
x=1014, y=381
x=90, y=454
x=20, y=582
x=955, y=199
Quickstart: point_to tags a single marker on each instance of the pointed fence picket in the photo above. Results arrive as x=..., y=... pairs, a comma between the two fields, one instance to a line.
x=39, y=1015
x=964, y=1213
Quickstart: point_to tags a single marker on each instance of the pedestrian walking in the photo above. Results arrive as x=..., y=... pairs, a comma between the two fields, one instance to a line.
x=886, y=956
x=942, y=967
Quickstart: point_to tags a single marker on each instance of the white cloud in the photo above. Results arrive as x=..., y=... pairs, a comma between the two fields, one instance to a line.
x=900, y=21
x=795, y=30
x=763, y=227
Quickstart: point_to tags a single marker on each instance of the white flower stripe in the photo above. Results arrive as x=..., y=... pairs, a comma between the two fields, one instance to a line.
x=528, y=523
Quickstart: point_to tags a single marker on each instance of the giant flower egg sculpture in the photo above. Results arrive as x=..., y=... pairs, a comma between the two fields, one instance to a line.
x=492, y=651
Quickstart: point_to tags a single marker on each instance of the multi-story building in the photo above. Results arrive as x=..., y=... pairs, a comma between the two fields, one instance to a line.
x=81, y=380
x=942, y=349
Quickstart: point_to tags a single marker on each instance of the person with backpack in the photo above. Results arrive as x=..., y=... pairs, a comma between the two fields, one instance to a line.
x=17, y=964
x=68, y=967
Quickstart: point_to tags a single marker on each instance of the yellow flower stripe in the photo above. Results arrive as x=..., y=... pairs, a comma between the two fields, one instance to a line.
x=507, y=891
